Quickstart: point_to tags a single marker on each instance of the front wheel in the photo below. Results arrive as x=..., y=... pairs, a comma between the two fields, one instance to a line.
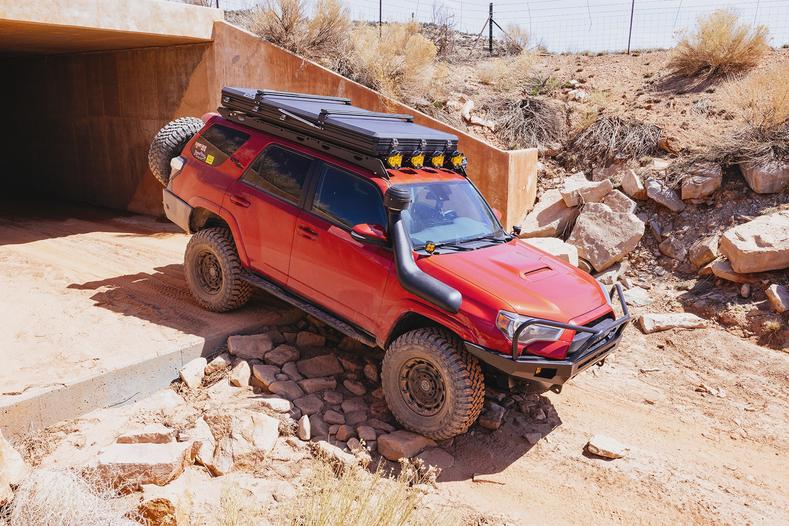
x=433, y=386
x=213, y=271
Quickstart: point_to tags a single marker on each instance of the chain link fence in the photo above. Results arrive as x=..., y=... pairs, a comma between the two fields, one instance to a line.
x=567, y=25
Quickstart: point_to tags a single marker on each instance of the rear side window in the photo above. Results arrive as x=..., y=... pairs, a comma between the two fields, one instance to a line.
x=347, y=199
x=280, y=172
x=218, y=143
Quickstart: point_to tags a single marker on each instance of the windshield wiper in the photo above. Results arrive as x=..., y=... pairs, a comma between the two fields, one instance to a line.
x=488, y=237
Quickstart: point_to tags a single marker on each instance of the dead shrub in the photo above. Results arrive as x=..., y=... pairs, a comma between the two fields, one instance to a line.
x=516, y=40
x=442, y=30
x=64, y=498
x=286, y=24
x=719, y=46
x=528, y=122
x=355, y=496
x=612, y=137
x=506, y=73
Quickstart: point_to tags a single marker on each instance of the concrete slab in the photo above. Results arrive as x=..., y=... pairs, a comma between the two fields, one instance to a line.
x=95, y=311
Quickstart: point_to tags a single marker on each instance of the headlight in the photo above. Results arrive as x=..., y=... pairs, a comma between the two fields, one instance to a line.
x=509, y=322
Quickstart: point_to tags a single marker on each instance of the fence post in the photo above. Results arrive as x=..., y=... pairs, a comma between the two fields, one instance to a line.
x=380, y=16
x=490, y=28
x=630, y=32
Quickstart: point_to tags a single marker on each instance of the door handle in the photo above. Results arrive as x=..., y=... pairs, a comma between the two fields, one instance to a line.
x=307, y=230
x=238, y=200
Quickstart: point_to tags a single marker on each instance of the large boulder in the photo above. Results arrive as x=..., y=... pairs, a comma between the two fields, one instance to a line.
x=766, y=178
x=131, y=465
x=577, y=190
x=603, y=236
x=702, y=181
x=251, y=347
x=759, y=245
x=549, y=217
x=402, y=444
x=321, y=365
x=619, y=202
x=555, y=247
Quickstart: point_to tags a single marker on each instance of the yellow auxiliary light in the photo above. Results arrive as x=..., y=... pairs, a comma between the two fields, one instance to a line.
x=417, y=159
x=437, y=159
x=394, y=159
x=457, y=160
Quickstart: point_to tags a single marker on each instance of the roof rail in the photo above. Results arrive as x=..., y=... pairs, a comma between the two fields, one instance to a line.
x=308, y=96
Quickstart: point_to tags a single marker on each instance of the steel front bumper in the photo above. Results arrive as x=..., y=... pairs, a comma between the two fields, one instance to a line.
x=591, y=345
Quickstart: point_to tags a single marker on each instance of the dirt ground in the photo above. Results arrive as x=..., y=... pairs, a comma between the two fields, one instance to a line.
x=86, y=290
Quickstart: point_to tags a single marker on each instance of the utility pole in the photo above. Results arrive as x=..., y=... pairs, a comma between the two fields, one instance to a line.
x=490, y=28
x=630, y=32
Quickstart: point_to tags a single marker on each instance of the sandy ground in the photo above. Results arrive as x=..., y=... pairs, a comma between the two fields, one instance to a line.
x=693, y=458
x=85, y=290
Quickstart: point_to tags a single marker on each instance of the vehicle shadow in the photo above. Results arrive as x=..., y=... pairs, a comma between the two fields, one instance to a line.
x=481, y=454
x=162, y=298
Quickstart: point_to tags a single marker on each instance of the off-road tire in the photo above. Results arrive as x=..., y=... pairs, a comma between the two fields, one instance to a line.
x=213, y=271
x=463, y=382
x=168, y=143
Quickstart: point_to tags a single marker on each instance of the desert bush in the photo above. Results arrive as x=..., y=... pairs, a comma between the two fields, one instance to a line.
x=355, y=496
x=613, y=137
x=528, y=122
x=286, y=24
x=719, y=46
x=400, y=63
x=506, y=73
x=442, y=30
x=64, y=498
x=516, y=40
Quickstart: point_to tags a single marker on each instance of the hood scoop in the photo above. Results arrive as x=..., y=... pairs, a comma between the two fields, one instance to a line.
x=534, y=270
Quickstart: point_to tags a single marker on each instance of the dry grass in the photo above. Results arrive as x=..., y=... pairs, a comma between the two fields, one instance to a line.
x=516, y=40
x=506, y=73
x=400, y=63
x=356, y=496
x=286, y=24
x=64, y=498
x=612, y=137
x=719, y=46
x=528, y=122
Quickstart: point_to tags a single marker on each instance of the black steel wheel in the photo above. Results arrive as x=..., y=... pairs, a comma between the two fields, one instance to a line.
x=213, y=271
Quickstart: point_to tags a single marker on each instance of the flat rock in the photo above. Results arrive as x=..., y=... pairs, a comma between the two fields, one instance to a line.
x=779, y=297
x=619, y=202
x=615, y=172
x=240, y=374
x=318, y=427
x=202, y=438
x=577, y=189
x=673, y=248
x=606, y=447
x=723, y=270
x=766, y=178
x=303, y=428
x=250, y=347
x=219, y=363
x=604, y=237
x=549, y=217
x=380, y=425
x=437, y=457
x=652, y=322
x=366, y=433
x=633, y=186
x=344, y=432
x=402, y=444
x=242, y=437
x=333, y=417
x=287, y=389
x=281, y=355
x=333, y=397
x=148, y=434
x=702, y=181
x=355, y=417
x=291, y=370
x=309, y=404
x=264, y=375
x=307, y=339
x=192, y=373
x=492, y=416
x=758, y=245
x=703, y=251
x=664, y=196
x=355, y=387
x=354, y=404
x=637, y=297
x=279, y=405
x=321, y=365
x=131, y=465
x=334, y=454
x=555, y=247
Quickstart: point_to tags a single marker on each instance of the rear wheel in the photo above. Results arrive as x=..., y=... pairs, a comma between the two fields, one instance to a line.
x=432, y=385
x=213, y=271
x=168, y=143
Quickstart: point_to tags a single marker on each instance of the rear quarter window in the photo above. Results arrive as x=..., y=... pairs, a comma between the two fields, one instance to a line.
x=217, y=144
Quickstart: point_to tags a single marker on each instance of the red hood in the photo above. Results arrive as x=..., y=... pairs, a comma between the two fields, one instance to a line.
x=526, y=280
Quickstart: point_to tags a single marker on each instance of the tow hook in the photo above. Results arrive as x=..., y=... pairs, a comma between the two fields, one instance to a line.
x=600, y=363
x=556, y=389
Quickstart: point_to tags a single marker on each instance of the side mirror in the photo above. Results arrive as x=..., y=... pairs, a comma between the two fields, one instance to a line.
x=497, y=213
x=369, y=234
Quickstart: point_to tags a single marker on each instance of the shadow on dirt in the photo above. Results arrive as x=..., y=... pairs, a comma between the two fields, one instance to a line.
x=680, y=84
x=481, y=455
x=162, y=298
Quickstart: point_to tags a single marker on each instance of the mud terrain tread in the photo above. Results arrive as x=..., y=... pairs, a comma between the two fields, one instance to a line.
x=168, y=143
x=236, y=291
x=463, y=368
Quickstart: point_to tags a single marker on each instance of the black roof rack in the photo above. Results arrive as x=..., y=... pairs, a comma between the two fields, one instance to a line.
x=332, y=123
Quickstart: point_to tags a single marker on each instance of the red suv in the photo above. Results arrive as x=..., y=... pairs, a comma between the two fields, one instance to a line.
x=368, y=222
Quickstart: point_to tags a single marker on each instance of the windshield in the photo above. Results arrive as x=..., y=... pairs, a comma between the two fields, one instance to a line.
x=447, y=212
